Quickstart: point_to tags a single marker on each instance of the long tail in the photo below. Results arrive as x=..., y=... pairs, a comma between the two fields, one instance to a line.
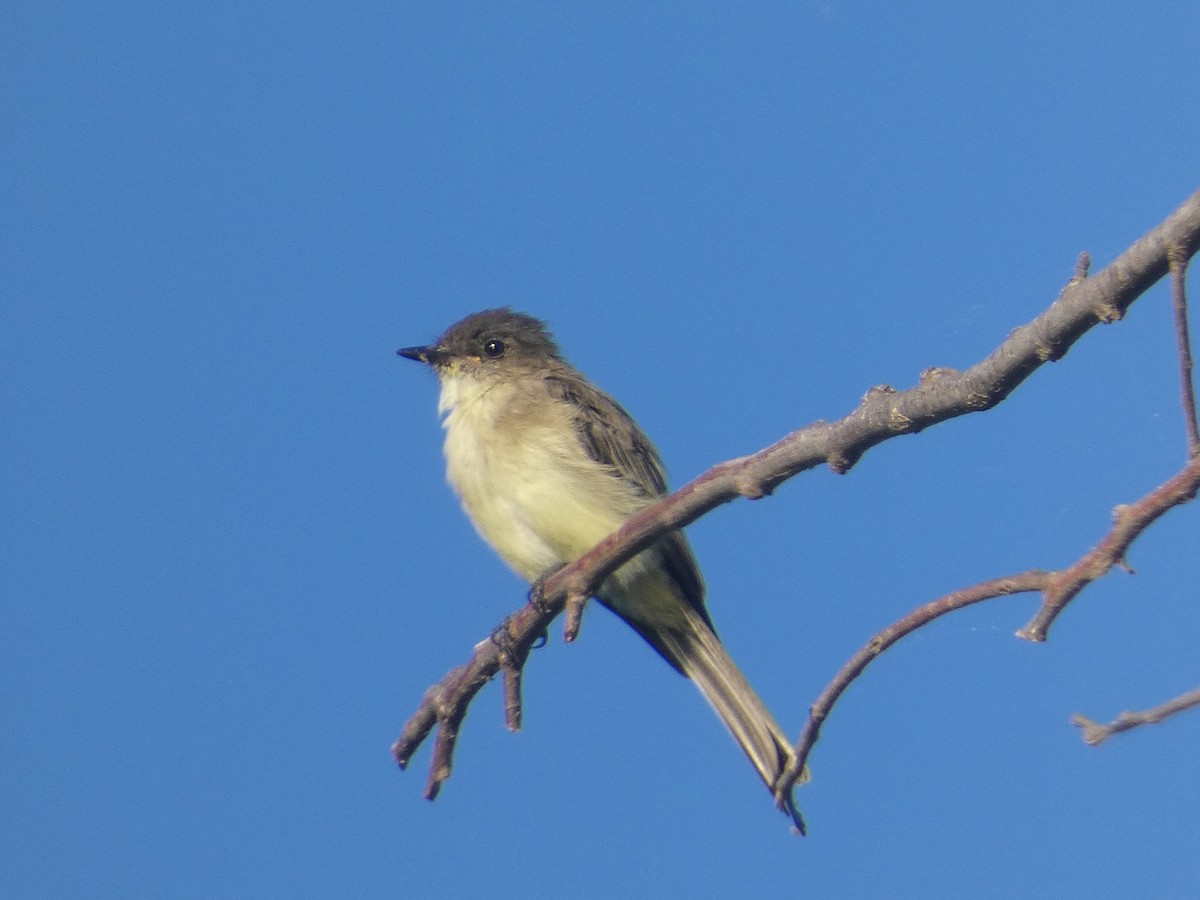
x=698, y=653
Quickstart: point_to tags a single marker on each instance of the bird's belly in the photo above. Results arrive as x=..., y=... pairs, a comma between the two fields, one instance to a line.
x=536, y=497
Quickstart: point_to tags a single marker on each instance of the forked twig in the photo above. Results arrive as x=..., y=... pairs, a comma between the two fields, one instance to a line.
x=1057, y=589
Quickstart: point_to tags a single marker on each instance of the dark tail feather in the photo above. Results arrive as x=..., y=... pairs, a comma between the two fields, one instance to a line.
x=699, y=655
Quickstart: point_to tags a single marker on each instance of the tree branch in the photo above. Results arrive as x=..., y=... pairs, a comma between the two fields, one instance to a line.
x=1129, y=522
x=884, y=413
x=1057, y=589
x=1179, y=262
x=1023, y=582
x=1095, y=734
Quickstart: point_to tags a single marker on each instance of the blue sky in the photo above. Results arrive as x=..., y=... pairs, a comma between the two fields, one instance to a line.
x=230, y=562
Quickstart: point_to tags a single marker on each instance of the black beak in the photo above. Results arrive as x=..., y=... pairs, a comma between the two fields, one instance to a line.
x=427, y=355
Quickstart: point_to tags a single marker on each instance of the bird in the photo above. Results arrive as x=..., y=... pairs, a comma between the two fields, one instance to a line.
x=545, y=466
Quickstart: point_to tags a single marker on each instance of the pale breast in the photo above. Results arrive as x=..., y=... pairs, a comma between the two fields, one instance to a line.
x=526, y=483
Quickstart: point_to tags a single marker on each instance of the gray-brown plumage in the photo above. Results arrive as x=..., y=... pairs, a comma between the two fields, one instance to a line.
x=546, y=466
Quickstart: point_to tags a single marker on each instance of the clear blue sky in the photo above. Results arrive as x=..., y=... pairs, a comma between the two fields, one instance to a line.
x=229, y=564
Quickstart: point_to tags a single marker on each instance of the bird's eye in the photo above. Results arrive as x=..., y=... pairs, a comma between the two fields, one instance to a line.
x=493, y=349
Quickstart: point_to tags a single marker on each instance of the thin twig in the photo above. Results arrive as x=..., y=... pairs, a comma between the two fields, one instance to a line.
x=1083, y=265
x=1023, y=582
x=1095, y=734
x=574, y=617
x=1057, y=589
x=512, y=667
x=1178, y=262
x=1128, y=522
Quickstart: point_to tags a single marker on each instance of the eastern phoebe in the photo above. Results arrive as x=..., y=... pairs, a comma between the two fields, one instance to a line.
x=546, y=466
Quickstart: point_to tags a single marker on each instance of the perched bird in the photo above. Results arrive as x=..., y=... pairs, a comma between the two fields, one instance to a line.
x=547, y=465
